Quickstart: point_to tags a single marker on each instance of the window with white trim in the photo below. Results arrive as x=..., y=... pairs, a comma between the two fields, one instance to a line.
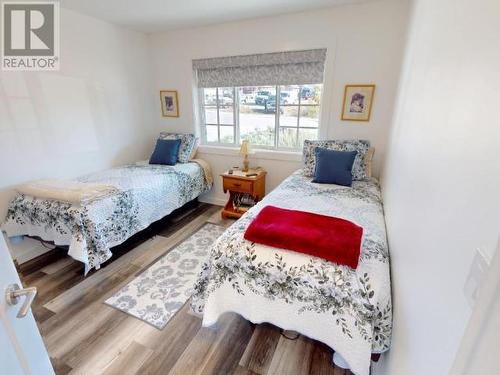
x=232, y=114
x=280, y=114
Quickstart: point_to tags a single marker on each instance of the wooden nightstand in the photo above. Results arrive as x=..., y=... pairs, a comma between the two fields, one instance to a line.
x=238, y=184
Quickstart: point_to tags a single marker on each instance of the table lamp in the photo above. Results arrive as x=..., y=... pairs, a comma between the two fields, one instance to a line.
x=245, y=150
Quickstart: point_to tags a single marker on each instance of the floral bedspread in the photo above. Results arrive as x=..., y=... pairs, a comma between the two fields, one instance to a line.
x=347, y=309
x=146, y=194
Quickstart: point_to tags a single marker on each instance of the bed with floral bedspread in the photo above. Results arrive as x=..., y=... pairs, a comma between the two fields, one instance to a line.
x=146, y=193
x=347, y=309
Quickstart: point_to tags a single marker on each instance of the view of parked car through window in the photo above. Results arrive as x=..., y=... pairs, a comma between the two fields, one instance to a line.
x=233, y=114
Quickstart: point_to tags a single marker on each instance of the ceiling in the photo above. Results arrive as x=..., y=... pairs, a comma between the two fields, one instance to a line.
x=162, y=15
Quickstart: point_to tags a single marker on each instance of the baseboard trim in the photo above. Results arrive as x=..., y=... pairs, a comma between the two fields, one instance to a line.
x=213, y=200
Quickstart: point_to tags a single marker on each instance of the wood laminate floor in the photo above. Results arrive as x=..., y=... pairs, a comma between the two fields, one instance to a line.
x=85, y=336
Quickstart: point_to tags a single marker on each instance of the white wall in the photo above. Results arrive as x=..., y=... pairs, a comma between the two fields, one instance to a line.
x=96, y=112
x=442, y=180
x=365, y=45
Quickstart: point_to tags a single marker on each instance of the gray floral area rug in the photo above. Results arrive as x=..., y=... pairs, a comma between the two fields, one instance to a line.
x=159, y=292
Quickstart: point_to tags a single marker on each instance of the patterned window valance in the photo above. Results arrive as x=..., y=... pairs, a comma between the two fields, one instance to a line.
x=280, y=68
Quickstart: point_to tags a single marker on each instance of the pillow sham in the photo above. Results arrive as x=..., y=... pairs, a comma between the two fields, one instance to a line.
x=359, y=166
x=334, y=167
x=195, y=148
x=165, y=152
x=187, y=144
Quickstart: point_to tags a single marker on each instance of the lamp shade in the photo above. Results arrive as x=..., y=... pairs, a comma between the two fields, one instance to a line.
x=245, y=148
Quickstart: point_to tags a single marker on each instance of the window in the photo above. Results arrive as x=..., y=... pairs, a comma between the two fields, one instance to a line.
x=271, y=99
x=218, y=110
x=233, y=114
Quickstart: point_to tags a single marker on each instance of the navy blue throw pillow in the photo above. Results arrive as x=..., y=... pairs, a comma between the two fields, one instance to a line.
x=334, y=167
x=166, y=152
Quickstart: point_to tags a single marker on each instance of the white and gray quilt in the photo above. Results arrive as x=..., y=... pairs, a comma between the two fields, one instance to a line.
x=146, y=194
x=347, y=309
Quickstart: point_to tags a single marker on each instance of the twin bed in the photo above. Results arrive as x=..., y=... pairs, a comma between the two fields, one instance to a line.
x=144, y=194
x=347, y=309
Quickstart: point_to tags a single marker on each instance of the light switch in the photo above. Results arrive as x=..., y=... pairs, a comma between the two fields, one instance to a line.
x=477, y=271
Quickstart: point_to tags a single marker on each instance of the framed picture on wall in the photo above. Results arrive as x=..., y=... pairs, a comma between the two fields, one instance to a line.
x=358, y=101
x=169, y=103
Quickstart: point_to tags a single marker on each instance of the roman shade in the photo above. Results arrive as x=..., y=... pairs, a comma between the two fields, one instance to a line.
x=280, y=68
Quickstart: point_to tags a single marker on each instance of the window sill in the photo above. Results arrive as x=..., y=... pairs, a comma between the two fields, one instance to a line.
x=258, y=154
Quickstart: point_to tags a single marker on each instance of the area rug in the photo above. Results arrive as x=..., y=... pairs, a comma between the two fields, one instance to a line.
x=159, y=292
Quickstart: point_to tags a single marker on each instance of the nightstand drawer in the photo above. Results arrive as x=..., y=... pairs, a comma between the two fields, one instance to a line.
x=238, y=185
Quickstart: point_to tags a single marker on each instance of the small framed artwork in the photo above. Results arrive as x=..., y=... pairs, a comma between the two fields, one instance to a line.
x=358, y=101
x=169, y=103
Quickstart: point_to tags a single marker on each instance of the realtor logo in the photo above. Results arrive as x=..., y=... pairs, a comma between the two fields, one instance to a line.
x=30, y=33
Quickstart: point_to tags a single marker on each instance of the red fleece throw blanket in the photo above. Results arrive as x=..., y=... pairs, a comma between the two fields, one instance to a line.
x=330, y=238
